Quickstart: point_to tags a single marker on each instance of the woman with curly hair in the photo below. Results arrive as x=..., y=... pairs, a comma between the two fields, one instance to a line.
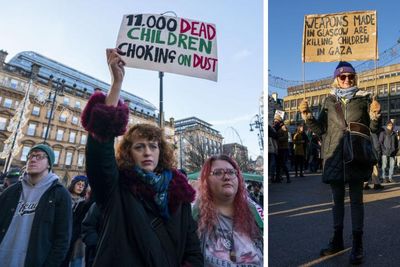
x=145, y=201
x=228, y=231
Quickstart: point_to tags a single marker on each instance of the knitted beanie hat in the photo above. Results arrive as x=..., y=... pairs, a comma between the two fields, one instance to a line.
x=46, y=149
x=343, y=67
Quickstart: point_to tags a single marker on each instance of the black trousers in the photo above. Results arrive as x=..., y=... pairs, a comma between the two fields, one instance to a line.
x=299, y=163
x=356, y=205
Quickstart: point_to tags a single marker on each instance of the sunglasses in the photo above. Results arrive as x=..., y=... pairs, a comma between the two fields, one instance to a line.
x=344, y=76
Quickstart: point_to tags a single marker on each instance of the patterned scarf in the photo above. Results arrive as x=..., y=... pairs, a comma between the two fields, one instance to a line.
x=159, y=183
x=345, y=94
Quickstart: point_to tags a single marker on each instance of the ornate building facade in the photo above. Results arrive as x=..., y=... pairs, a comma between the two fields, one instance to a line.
x=60, y=92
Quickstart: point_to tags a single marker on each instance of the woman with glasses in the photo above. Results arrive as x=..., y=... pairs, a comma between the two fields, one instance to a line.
x=345, y=103
x=145, y=201
x=229, y=234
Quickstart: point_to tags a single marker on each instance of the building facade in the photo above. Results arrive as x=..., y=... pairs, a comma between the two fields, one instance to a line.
x=63, y=92
x=386, y=86
x=195, y=141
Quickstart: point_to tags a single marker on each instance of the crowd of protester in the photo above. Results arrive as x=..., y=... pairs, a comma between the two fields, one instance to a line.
x=300, y=150
x=133, y=207
x=296, y=151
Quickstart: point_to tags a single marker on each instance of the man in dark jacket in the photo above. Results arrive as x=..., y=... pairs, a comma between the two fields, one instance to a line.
x=35, y=215
x=389, y=145
x=375, y=172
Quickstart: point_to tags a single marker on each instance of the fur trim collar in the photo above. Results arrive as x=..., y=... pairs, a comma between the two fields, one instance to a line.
x=179, y=190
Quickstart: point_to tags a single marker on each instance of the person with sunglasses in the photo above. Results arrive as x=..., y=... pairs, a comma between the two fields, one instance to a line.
x=344, y=101
x=144, y=200
x=35, y=215
x=230, y=228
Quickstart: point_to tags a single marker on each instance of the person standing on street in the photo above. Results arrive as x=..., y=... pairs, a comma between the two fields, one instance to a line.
x=389, y=145
x=375, y=176
x=272, y=153
x=144, y=199
x=35, y=215
x=80, y=206
x=355, y=106
x=300, y=142
x=283, y=149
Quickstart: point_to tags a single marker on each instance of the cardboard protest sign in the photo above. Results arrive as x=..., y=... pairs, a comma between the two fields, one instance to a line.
x=169, y=44
x=280, y=113
x=343, y=36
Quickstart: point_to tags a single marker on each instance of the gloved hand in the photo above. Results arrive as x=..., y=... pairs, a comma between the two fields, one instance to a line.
x=374, y=110
x=305, y=110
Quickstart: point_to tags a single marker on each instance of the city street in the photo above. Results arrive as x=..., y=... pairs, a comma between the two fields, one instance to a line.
x=300, y=224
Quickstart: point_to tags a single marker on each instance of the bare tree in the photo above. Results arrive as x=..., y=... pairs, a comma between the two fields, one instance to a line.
x=196, y=152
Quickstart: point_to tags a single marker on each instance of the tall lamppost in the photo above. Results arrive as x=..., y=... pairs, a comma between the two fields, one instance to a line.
x=58, y=88
x=258, y=123
x=160, y=76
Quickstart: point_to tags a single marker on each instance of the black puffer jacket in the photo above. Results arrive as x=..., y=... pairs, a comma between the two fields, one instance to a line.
x=329, y=127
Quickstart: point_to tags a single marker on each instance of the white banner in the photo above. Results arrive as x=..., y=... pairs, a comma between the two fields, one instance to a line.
x=169, y=44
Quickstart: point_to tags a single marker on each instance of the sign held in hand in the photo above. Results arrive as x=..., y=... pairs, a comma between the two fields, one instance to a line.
x=169, y=44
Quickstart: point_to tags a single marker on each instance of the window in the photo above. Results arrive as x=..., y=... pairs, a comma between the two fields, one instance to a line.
x=48, y=113
x=13, y=84
x=78, y=104
x=63, y=117
x=56, y=156
x=31, y=129
x=7, y=103
x=68, y=158
x=72, y=136
x=36, y=111
x=24, y=154
x=60, y=135
x=81, y=159
x=74, y=120
x=66, y=101
x=16, y=103
x=83, y=139
x=40, y=95
x=3, y=123
x=44, y=132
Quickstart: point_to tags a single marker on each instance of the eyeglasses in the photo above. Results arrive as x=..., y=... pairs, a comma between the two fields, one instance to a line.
x=221, y=172
x=344, y=76
x=37, y=156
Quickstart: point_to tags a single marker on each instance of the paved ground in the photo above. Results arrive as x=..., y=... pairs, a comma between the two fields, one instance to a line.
x=300, y=224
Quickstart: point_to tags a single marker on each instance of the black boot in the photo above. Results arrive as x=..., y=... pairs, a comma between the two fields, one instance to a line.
x=357, y=255
x=335, y=245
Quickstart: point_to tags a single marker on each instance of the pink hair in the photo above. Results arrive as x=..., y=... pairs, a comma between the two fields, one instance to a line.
x=242, y=219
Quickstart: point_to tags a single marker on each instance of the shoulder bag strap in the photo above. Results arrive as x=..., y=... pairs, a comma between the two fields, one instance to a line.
x=339, y=110
x=158, y=225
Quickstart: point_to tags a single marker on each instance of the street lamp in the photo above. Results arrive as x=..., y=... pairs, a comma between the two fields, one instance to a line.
x=57, y=88
x=258, y=123
x=160, y=76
